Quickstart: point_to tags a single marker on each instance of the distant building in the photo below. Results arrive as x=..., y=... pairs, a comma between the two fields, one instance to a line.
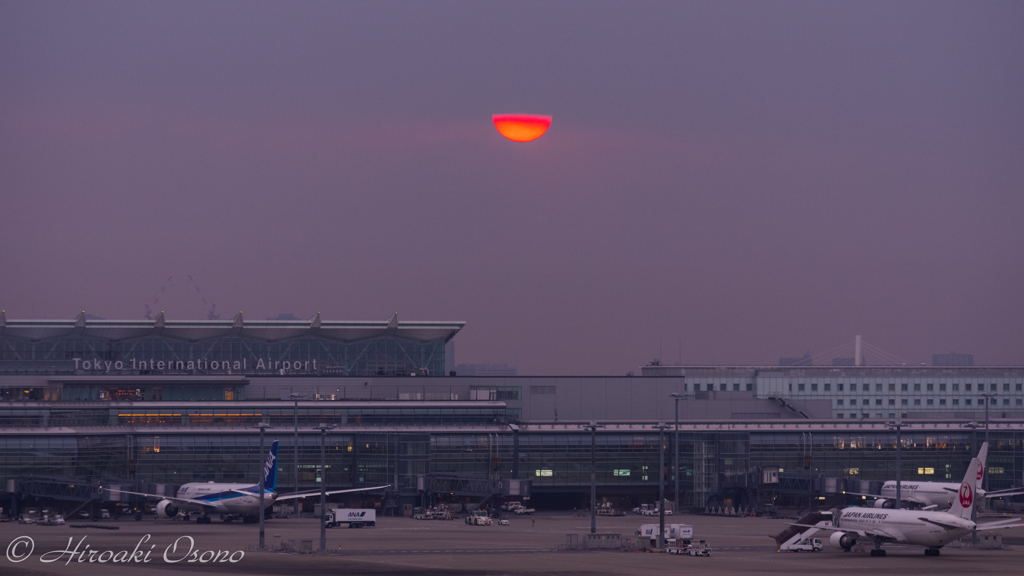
x=844, y=362
x=804, y=360
x=952, y=359
x=485, y=370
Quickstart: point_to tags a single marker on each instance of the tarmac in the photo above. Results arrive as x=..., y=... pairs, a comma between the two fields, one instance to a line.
x=406, y=547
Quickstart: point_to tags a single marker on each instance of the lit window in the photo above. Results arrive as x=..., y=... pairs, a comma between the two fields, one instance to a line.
x=924, y=471
x=622, y=472
x=853, y=471
x=996, y=470
x=544, y=473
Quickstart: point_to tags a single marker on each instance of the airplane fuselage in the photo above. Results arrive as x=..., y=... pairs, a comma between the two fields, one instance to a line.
x=923, y=528
x=225, y=497
x=939, y=494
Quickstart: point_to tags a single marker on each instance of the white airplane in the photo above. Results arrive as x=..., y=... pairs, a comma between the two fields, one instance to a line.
x=934, y=495
x=930, y=529
x=232, y=501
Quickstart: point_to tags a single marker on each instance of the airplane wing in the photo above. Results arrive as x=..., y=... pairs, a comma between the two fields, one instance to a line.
x=1001, y=524
x=1001, y=493
x=172, y=498
x=317, y=493
x=904, y=498
x=940, y=524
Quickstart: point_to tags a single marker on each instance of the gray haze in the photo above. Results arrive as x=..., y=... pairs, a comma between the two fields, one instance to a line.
x=749, y=179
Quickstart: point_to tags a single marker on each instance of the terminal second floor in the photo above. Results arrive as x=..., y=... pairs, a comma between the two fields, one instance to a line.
x=717, y=393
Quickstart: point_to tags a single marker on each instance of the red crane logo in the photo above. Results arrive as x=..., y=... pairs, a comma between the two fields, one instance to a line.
x=966, y=495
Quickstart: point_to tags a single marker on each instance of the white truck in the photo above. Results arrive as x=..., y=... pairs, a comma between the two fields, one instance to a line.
x=678, y=534
x=520, y=510
x=478, y=518
x=699, y=548
x=354, y=517
x=807, y=545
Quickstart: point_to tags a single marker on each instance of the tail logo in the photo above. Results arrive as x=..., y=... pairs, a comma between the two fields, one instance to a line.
x=981, y=472
x=966, y=495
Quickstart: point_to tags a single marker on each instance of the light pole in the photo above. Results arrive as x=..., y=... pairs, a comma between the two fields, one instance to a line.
x=675, y=465
x=593, y=426
x=661, y=485
x=897, y=426
x=263, y=474
x=323, y=428
x=295, y=417
x=974, y=450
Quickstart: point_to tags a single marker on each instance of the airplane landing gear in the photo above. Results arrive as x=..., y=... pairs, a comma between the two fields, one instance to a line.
x=931, y=551
x=878, y=548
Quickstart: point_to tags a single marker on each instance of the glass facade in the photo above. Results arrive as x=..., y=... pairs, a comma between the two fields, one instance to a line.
x=710, y=463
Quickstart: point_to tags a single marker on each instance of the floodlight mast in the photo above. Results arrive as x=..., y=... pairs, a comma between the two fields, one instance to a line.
x=263, y=463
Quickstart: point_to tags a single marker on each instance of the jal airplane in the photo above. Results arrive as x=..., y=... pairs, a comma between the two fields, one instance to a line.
x=934, y=495
x=232, y=501
x=930, y=529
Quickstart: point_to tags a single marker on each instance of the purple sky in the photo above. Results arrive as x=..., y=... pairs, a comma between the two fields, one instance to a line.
x=750, y=179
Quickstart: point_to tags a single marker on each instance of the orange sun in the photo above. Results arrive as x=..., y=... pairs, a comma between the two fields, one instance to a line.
x=521, y=127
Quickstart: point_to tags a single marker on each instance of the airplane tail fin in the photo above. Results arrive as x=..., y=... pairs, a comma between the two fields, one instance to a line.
x=270, y=468
x=982, y=457
x=963, y=501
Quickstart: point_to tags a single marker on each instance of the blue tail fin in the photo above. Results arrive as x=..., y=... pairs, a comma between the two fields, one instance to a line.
x=270, y=468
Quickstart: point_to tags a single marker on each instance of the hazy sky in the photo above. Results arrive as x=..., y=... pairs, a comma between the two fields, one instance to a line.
x=749, y=179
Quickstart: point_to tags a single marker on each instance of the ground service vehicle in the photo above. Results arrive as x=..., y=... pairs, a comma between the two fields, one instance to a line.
x=478, y=518
x=699, y=548
x=353, y=517
x=807, y=545
x=523, y=510
x=679, y=534
x=504, y=522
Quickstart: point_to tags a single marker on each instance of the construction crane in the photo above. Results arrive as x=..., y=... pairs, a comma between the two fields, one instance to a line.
x=211, y=309
x=156, y=299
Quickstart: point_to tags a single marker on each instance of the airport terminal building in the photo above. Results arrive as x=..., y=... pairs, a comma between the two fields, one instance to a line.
x=153, y=404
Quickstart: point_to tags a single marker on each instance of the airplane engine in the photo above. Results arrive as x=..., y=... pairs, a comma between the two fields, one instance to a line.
x=840, y=540
x=166, y=509
x=883, y=503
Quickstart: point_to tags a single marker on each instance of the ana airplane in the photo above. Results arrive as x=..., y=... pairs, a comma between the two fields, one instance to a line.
x=930, y=529
x=232, y=501
x=934, y=495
